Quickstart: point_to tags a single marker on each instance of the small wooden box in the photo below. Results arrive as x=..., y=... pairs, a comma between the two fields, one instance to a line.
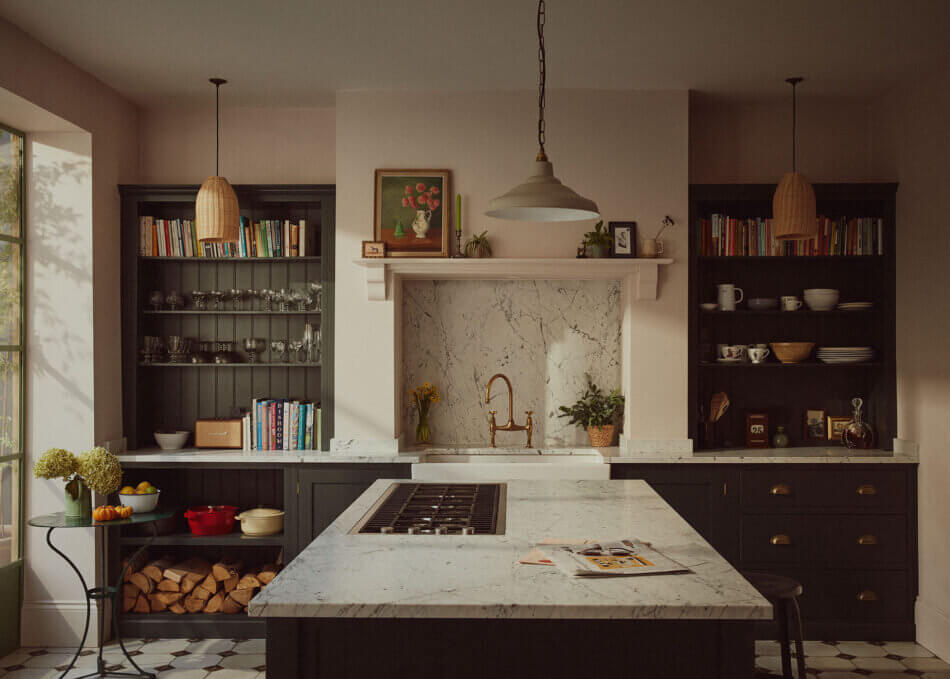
x=757, y=430
x=218, y=433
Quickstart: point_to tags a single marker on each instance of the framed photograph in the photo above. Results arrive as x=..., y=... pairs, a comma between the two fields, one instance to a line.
x=412, y=212
x=815, y=425
x=836, y=425
x=757, y=430
x=374, y=248
x=624, y=235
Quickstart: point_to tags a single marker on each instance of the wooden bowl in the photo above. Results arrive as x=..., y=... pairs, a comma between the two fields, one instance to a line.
x=792, y=352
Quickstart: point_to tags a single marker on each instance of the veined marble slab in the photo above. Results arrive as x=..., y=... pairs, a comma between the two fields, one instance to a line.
x=478, y=576
x=809, y=455
x=230, y=456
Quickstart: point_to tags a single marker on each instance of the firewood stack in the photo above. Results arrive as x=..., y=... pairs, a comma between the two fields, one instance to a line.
x=193, y=586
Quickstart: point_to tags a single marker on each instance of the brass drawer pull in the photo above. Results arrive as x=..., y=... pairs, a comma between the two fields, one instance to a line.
x=780, y=539
x=867, y=595
x=780, y=489
x=867, y=540
x=866, y=489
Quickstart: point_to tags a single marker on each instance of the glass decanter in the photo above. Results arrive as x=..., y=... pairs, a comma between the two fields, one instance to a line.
x=857, y=434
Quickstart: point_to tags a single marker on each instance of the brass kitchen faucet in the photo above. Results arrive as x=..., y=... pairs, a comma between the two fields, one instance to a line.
x=528, y=426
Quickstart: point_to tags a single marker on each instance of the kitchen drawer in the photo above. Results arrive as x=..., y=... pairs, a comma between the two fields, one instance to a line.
x=779, y=488
x=775, y=541
x=865, y=542
x=872, y=489
x=869, y=596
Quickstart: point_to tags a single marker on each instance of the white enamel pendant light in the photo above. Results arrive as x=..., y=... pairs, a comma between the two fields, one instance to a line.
x=217, y=216
x=542, y=197
x=793, y=205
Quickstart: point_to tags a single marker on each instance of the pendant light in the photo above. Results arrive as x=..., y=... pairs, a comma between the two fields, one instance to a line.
x=542, y=197
x=216, y=208
x=793, y=205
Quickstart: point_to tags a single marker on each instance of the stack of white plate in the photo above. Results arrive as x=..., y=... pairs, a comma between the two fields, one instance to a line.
x=840, y=355
x=855, y=306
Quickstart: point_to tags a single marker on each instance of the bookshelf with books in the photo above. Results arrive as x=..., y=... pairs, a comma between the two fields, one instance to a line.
x=730, y=242
x=285, y=246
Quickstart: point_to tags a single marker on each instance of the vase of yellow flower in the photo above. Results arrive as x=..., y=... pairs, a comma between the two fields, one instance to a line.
x=421, y=398
x=95, y=470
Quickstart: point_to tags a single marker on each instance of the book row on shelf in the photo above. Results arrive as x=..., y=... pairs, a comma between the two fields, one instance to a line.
x=281, y=424
x=724, y=236
x=264, y=238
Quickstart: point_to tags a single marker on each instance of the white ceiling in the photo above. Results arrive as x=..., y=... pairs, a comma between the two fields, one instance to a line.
x=298, y=52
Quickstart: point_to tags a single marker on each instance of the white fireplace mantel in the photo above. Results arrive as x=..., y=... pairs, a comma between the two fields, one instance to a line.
x=380, y=272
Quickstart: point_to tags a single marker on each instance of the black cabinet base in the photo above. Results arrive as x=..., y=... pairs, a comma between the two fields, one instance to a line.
x=194, y=626
x=474, y=649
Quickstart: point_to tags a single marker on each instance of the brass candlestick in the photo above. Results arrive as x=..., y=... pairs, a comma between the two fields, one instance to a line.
x=458, y=245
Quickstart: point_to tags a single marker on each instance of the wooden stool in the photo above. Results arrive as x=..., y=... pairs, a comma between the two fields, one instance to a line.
x=782, y=591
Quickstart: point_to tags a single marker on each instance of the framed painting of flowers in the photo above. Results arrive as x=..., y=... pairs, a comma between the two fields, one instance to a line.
x=412, y=215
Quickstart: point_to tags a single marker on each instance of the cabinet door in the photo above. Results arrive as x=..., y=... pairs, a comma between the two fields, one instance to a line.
x=706, y=497
x=326, y=490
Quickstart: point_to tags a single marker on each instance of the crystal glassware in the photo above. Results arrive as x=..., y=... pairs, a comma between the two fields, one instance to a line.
x=313, y=351
x=224, y=352
x=857, y=433
x=254, y=346
x=156, y=299
x=237, y=299
x=279, y=351
x=199, y=300
x=283, y=300
x=174, y=300
x=215, y=299
x=316, y=291
x=267, y=299
x=298, y=354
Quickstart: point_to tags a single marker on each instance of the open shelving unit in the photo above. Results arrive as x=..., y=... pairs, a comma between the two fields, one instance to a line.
x=785, y=391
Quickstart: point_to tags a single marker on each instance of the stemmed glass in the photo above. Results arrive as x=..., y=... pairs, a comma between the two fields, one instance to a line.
x=237, y=299
x=215, y=299
x=283, y=299
x=279, y=351
x=316, y=291
x=156, y=299
x=254, y=346
x=199, y=300
x=296, y=346
x=174, y=300
x=267, y=299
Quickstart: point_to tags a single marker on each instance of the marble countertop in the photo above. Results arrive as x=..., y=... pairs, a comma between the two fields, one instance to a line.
x=804, y=455
x=478, y=576
x=233, y=456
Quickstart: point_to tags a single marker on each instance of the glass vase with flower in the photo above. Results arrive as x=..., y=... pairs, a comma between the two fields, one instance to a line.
x=97, y=470
x=421, y=399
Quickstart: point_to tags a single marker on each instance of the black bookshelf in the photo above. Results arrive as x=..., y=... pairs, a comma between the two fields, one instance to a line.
x=785, y=391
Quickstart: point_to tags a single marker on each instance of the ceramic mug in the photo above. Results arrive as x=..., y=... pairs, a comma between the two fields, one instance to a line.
x=651, y=247
x=758, y=354
x=791, y=303
x=732, y=351
x=729, y=295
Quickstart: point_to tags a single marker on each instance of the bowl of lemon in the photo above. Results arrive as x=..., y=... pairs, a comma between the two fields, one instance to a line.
x=141, y=498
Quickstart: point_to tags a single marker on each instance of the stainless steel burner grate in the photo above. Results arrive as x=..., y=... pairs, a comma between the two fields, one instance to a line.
x=438, y=508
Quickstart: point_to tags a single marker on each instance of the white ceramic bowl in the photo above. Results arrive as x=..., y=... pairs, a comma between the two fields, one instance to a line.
x=171, y=440
x=142, y=504
x=821, y=299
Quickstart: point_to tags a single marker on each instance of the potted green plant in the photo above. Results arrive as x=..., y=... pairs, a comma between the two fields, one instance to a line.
x=478, y=246
x=96, y=469
x=597, y=242
x=597, y=411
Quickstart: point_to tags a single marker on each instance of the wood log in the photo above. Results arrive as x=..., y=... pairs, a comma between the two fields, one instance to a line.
x=214, y=603
x=195, y=566
x=231, y=583
x=130, y=591
x=177, y=608
x=194, y=605
x=154, y=569
x=142, y=605
x=188, y=583
x=230, y=606
x=135, y=566
x=167, y=585
x=226, y=569
x=157, y=605
x=242, y=596
x=268, y=572
x=167, y=598
x=248, y=581
x=200, y=592
x=128, y=602
x=210, y=583
x=142, y=582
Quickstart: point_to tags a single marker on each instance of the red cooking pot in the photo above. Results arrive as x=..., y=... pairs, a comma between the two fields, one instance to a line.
x=211, y=519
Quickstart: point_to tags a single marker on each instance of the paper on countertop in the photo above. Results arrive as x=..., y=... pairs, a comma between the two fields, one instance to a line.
x=610, y=558
x=536, y=557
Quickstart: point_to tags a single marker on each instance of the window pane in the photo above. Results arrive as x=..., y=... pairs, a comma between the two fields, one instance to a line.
x=9, y=403
x=11, y=173
x=9, y=508
x=9, y=293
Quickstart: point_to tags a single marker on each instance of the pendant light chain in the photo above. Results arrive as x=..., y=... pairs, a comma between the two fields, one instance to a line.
x=793, y=82
x=217, y=128
x=542, y=74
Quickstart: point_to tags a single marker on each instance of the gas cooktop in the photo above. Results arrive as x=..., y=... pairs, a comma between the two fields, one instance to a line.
x=437, y=509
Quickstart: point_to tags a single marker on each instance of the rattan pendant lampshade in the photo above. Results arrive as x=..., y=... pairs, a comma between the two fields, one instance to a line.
x=542, y=197
x=217, y=217
x=793, y=205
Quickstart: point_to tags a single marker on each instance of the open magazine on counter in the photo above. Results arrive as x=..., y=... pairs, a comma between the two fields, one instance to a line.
x=628, y=556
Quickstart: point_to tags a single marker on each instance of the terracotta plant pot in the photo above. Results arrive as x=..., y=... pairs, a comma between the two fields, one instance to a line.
x=601, y=437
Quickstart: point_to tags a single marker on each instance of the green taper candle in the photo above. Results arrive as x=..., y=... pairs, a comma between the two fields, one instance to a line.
x=458, y=211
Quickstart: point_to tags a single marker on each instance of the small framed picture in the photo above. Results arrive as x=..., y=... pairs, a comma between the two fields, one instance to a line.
x=412, y=215
x=815, y=425
x=623, y=239
x=836, y=425
x=757, y=430
x=374, y=248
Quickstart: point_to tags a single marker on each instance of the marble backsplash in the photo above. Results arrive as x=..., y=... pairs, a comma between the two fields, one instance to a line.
x=544, y=335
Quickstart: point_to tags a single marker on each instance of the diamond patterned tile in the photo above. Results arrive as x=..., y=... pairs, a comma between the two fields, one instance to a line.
x=165, y=646
x=13, y=659
x=842, y=675
x=48, y=660
x=244, y=661
x=861, y=649
x=252, y=646
x=194, y=661
x=34, y=673
x=235, y=674
x=878, y=664
x=210, y=646
x=767, y=648
x=935, y=665
x=828, y=663
x=820, y=649
x=182, y=674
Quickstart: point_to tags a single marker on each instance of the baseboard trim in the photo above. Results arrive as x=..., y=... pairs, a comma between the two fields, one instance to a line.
x=933, y=628
x=56, y=624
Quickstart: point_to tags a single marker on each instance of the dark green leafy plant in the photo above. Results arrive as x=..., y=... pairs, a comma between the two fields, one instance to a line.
x=595, y=408
x=599, y=236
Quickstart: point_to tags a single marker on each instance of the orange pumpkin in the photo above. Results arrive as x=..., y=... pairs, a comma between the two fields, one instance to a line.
x=104, y=513
x=123, y=511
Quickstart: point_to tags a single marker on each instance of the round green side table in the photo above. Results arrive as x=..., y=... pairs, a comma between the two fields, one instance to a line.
x=100, y=594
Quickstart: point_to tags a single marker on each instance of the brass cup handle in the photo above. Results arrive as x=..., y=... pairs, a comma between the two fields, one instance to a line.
x=866, y=489
x=780, y=489
x=780, y=539
x=867, y=540
x=867, y=595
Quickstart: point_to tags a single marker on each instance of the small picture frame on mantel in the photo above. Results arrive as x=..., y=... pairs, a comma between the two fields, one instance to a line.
x=623, y=239
x=373, y=249
x=815, y=426
x=756, y=430
x=836, y=426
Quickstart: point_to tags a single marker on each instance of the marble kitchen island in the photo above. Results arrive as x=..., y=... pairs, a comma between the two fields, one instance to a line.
x=361, y=605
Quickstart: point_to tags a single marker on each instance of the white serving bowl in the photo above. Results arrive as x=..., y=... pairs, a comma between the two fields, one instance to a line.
x=171, y=440
x=821, y=299
x=141, y=504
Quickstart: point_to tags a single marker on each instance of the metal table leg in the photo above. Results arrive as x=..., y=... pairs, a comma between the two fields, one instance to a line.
x=85, y=589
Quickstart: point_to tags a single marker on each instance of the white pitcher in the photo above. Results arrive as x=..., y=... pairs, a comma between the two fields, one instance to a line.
x=729, y=296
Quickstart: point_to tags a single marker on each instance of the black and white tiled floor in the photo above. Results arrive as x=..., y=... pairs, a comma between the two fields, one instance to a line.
x=244, y=659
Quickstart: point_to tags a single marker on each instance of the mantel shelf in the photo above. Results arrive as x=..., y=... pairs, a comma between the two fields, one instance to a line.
x=642, y=273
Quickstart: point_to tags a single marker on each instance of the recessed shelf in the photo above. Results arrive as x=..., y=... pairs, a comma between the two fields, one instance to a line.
x=791, y=314
x=187, y=538
x=808, y=364
x=250, y=312
x=200, y=260
x=229, y=365
x=796, y=259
